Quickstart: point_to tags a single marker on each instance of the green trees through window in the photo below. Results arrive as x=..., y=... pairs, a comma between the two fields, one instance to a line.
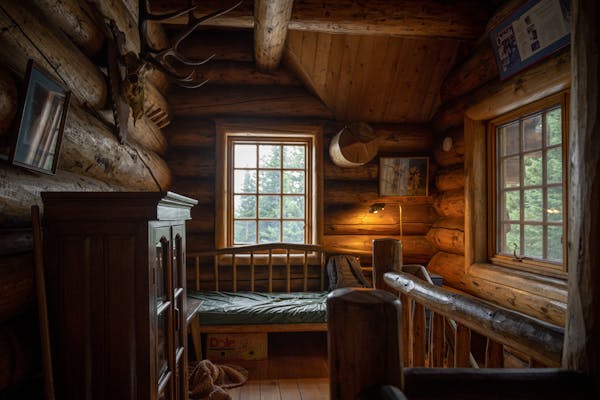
x=269, y=192
x=530, y=186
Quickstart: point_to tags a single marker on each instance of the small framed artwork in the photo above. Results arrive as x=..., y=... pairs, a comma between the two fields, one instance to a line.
x=403, y=176
x=42, y=119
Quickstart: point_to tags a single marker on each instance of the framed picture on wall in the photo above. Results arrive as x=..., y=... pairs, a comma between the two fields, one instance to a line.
x=42, y=119
x=403, y=176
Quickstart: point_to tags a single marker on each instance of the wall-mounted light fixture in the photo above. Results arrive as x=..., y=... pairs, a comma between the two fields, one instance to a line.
x=377, y=207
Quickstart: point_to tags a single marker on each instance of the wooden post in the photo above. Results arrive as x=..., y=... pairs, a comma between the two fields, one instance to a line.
x=387, y=256
x=494, y=354
x=582, y=331
x=363, y=340
x=270, y=29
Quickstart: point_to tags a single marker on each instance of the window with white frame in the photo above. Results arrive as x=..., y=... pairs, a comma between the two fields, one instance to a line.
x=528, y=185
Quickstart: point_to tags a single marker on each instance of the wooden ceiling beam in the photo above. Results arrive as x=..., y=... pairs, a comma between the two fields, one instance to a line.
x=460, y=19
x=271, y=19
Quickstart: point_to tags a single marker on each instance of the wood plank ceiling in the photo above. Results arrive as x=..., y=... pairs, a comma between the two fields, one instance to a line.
x=378, y=61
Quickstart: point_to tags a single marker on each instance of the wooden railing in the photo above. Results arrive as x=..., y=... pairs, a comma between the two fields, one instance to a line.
x=268, y=256
x=446, y=340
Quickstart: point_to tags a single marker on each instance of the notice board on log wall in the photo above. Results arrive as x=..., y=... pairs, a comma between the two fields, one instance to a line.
x=531, y=33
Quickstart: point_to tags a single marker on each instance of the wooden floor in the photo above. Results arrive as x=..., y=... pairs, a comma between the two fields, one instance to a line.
x=283, y=389
x=296, y=368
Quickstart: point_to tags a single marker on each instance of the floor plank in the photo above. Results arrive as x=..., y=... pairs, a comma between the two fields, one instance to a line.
x=283, y=389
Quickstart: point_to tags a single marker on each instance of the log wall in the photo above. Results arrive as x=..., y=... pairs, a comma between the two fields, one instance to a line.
x=61, y=36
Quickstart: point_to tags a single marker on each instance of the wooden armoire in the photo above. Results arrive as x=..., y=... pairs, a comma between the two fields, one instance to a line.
x=115, y=274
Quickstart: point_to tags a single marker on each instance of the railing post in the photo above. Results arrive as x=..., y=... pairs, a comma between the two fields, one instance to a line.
x=387, y=256
x=364, y=341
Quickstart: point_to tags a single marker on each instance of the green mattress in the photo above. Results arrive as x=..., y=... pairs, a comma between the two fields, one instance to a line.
x=243, y=308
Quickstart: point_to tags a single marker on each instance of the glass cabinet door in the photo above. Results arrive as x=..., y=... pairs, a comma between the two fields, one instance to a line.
x=165, y=360
x=179, y=276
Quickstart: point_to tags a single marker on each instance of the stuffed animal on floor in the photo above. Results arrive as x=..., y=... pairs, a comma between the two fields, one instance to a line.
x=208, y=381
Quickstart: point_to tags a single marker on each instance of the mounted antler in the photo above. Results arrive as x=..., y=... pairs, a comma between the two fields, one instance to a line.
x=137, y=65
x=160, y=59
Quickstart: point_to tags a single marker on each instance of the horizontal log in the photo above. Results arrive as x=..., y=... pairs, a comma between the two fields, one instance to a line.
x=541, y=341
x=18, y=339
x=456, y=154
x=16, y=294
x=201, y=189
x=450, y=203
x=190, y=132
x=8, y=100
x=199, y=163
x=394, y=138
x=352, y=220
x=367, y=172
x=477, y=70
x=204, y=224
x=159, y=80
x=252, y=101
x=196, y=242
x=24, y=34
x=74, y=21
x=347, y=192
x=21, y=189
x=234, y=45
x=89, y=148
x=15, y=241
x=245, y=73
x=448, y=234
x=520, y=292
x=415, y=249
x=461, y=20
x=541, y=80
x=450, y=178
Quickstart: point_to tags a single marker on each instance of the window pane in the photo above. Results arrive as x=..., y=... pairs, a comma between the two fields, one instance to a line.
x=268, y=207
x=532, y=168
x=533, y=204
x=554, y=165
x=509, y=139
x=555, y=245
x=293, y=231
x=293, y=182
x=534, y=241
x=244, y=206
x=294, y=157
x=554, y=212
x=510, y=172
x=532, y=133
x=293, y=207
x=510, y=235
x=244, y=181
x=511, y=209
x=554, y=127
x=244, y=232
x=269, y=231
x=269, y=182
x=269, y=156
x=244, y=155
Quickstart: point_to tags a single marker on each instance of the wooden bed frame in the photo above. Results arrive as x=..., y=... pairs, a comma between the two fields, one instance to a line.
x=247, y=260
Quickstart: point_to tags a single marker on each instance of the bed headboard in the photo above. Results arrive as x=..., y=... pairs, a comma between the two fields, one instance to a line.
x=261, y=267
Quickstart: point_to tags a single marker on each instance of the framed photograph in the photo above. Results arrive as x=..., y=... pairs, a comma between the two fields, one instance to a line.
x=403, y=176
x=42, y=119
x=531, y=33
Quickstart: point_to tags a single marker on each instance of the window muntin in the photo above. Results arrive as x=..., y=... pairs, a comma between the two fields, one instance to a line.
x=270, y=188
x=529, y=187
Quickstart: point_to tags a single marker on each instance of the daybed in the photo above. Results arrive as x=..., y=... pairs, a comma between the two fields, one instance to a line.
x=274, y=287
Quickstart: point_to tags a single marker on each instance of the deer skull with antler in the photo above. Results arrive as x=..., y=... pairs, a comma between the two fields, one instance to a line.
x=136, y=66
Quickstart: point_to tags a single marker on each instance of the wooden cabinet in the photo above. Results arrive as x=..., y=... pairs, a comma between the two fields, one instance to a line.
x=116, y=294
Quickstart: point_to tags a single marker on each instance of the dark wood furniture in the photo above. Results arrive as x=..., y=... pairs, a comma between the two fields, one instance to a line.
x=117, y=294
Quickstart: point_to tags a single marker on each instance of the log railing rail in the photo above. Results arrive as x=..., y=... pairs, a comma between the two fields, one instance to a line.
x=264, y=255
x=454, y=315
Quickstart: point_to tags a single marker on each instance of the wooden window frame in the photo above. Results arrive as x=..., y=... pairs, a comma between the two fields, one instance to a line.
x=253, y=130
x=281, y=141
x=526, y=264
